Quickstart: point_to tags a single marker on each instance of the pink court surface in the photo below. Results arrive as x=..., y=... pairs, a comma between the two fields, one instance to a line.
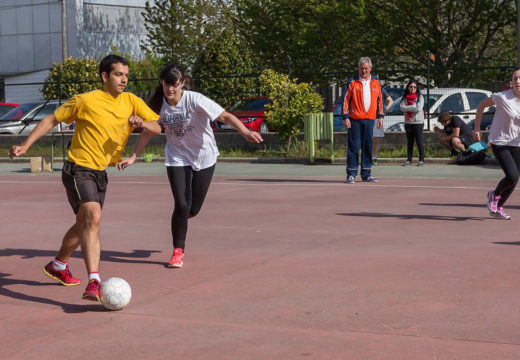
x=283, y=262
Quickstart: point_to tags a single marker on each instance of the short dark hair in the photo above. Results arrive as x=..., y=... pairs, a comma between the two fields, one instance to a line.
x=444, y=116
x=105, y=66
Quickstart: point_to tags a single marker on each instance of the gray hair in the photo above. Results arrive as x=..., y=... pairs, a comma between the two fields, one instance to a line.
x=365, y=60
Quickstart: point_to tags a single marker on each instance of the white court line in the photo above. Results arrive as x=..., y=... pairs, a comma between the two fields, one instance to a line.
x=285, y=182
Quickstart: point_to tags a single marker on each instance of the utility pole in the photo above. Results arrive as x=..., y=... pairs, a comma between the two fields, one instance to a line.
x=64, y=28
x=517, y=32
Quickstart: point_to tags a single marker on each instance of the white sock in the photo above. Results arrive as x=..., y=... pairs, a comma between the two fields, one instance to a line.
x=94, y=275
x=59, y=265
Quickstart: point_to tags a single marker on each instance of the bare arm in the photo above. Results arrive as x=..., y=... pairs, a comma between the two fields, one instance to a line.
x=478, y=117
x=150, y=128
x=232, y=120
x=389, y=102
x=41, y=129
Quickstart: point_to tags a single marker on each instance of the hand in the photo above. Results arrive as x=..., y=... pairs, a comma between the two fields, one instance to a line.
x=436, y=129
x=253, y=136
x=17, y=151
x=477, y=135
x=347, y=123
x=123, y=164
x=135, y=121
x=379, y=123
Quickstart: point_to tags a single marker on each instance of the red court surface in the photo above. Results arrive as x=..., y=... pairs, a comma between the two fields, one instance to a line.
x=275, y=268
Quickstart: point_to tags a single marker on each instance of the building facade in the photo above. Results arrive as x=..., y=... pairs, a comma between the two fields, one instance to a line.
x=32, y=37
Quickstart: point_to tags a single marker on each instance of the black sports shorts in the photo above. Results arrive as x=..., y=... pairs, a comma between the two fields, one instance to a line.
x=83, y=184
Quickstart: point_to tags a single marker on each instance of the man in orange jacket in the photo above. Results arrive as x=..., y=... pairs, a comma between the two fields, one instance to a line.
x=362, y=106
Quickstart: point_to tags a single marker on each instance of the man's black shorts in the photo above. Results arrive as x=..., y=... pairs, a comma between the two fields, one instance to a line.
x=466, y=140
x=84, y=184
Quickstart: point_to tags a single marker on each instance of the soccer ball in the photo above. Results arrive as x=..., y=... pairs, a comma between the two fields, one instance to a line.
x=115, y=293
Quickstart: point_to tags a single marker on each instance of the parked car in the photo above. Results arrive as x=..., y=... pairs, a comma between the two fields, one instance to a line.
x=459, y=101
x=395, y=93
x=251, y=111
x=487, y=119
x=6, y=107
x=399, y=127
x=337, y=117
x=24, y=118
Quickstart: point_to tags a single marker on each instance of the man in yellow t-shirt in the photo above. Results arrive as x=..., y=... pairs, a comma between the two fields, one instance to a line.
x=104, y=120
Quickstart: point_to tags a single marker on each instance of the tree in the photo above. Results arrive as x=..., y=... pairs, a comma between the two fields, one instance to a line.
x=290, y=101
x=314, y=40
x=72, y=76
x=180, y=29
x=226, y=71
x=461, y=35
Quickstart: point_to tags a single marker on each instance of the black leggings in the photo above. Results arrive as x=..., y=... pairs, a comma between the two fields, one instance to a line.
x=414, y=131
x=189, y=190
x=508, y=158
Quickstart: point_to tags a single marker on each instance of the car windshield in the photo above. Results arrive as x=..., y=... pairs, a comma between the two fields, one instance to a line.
x=251, y=104
x=5, y=108
x=395, y=109
x=19, y=112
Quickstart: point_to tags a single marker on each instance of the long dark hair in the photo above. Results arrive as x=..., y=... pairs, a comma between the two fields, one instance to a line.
x=171, y=74
x=407, y=91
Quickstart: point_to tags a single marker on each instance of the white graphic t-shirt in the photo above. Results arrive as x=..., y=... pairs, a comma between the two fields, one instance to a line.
x=189, y=137
x=505, y=128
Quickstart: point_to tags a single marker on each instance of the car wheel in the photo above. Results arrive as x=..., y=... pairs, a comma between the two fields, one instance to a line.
x=263, y=127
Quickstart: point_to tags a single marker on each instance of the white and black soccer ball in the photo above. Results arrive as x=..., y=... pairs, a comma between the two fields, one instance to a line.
x=115, y=293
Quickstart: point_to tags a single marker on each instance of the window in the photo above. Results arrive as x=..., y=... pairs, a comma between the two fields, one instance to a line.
x=453, y=103
x=48, y=109
x=474, y=98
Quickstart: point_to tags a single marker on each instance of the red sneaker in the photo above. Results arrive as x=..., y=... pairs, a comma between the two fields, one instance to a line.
x=92, y=290
x=64, y=277
x=177, y=257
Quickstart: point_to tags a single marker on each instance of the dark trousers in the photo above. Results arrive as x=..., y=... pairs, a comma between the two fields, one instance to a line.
x=508, y=158
x=189, y=190
x=360, y=137
x=414, y=132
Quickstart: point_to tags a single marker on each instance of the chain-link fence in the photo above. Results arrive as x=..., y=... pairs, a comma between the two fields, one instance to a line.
x=445, y=85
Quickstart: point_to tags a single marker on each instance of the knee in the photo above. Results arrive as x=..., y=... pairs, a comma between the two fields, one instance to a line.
x=92, y=219
x=182, y=209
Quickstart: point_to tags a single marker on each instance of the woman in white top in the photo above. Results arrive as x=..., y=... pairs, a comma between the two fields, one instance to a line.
x=504, y=136
x=191, y=151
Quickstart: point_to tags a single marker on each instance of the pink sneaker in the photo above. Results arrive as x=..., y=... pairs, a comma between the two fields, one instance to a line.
x=500, y=213
x=177, y=257
x=492, y=203
x=64, y=277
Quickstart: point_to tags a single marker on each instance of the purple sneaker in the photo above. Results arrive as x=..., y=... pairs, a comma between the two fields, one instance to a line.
x=492, y=203
x=500, y=213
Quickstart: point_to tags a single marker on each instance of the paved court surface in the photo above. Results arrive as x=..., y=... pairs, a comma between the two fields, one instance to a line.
x=284, y=262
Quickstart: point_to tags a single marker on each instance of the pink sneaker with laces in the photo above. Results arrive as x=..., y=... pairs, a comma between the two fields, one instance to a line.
x=92, y=291
x=492, y=203
x=177, y=257
x=500, y=213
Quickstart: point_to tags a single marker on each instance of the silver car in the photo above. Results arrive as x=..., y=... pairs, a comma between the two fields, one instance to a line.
x=23, y=119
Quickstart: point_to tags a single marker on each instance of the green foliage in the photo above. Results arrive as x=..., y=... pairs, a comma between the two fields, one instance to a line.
x=75, y=76
x=181, y=29
x=311, y=39
x=225, y=72
x=290, y=102
x=462, y=36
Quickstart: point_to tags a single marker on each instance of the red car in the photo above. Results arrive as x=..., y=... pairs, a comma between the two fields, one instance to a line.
x=6, y=107
x=251, y=111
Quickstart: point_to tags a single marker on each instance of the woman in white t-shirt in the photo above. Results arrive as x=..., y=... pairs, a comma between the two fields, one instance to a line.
x=191, y=151
x=504, y=136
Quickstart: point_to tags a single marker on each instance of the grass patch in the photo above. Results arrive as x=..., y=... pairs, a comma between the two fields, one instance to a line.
x=297, y=149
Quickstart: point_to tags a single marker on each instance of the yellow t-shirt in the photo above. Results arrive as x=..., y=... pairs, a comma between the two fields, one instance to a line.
x=102, y=128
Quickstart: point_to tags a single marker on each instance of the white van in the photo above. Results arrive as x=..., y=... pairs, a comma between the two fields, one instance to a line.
x=459, y=101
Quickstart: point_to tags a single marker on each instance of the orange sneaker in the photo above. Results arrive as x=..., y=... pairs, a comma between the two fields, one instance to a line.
x=92, y=290
x=64, y=277
x=177, y=257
